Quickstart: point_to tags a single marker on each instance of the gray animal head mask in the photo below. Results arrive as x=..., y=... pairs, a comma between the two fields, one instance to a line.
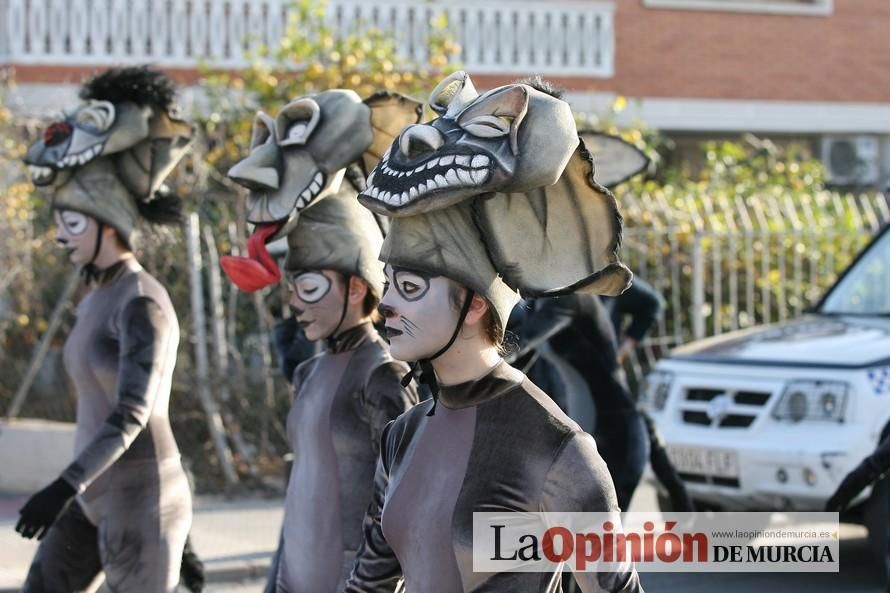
x=299, y=158
x=514, y=154
x=119, y=144
x=511, y=139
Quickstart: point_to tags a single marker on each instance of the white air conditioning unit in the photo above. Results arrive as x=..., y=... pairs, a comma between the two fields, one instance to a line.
x=851, y=160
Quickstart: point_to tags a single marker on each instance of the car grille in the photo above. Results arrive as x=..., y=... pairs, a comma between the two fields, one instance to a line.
x=735, y=409
x=715, y=480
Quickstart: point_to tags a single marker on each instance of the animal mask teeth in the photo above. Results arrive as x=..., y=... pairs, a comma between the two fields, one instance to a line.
x=39, y=174
x=79, y=159
x=450, y=171
x=311, y=191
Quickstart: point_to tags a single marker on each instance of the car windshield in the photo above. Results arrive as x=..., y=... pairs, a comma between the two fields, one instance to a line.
x=865, y=289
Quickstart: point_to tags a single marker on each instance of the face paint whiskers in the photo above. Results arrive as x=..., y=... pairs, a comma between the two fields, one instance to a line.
x=409, y=326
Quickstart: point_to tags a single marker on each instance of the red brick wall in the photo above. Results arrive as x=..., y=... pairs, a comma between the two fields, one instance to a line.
x=728, y=55
x=29, y=74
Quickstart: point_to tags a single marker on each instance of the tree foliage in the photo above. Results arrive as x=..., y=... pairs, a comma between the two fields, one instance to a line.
x=312, y=57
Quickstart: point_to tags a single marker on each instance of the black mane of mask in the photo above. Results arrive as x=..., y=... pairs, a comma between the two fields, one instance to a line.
x=165, y=208
x=139, y=85
x=355, y=177
x=545, y=86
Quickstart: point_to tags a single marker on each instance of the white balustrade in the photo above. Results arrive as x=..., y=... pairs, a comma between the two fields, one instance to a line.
x=557, y=37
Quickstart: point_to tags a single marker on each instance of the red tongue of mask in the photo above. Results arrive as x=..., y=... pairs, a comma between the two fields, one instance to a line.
x=257, y=270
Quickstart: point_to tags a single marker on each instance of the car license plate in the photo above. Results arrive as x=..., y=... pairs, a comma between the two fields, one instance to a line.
x=719, y=463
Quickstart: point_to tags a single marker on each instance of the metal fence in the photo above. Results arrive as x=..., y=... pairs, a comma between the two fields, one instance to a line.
x=725, y=264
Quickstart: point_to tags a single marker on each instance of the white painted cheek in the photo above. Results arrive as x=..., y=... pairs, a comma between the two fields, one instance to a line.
x=439, y=315
x=84, y=243
x=407, y=347
x=434, y=324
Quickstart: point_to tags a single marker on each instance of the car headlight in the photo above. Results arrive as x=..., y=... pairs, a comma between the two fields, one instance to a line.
x=812, y=400
x=655, y=390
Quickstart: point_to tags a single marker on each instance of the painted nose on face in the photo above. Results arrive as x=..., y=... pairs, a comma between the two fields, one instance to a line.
x=260, y=170
x=418, y=140
x=386, y=311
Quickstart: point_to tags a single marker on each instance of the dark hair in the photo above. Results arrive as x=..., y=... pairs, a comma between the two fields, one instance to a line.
x=137, y=84
x=123, y=240
x=369, y=307
x=370, y=302
x=165, y=208
x=355, y=177
x=490, y=326
x=545, y=86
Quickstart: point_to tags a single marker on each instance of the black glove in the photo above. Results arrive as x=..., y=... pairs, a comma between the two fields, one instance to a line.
x=291, y=346
x=42, y=509
x=853, y=484
x=191, y=571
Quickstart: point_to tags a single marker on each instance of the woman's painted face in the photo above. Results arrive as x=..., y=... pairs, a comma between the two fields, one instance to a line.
x=316, y=298
x=76, y=233
x=420, y=317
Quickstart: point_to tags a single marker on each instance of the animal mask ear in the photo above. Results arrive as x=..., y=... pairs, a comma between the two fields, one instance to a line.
x=390, y=114
x=144, y=167
x=615, y=160
x=557, y=239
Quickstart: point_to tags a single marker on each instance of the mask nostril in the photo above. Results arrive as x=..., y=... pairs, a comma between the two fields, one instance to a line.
x=255, y=178
x=57, y=133
x=417, y=148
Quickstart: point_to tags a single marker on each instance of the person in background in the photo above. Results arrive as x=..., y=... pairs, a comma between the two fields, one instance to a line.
x=870, y=470
x=579, y=359
x=123, y=506
x=345, y=395
x=291, y=346
x=486, y=202
x=645, y=306
x=566, y=338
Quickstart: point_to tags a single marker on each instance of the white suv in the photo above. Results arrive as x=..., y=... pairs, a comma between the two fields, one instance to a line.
x=773, y=418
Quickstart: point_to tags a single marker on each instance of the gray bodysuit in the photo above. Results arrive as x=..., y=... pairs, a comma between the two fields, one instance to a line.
x=498, y=443
x=343, y=399
x=133, y=511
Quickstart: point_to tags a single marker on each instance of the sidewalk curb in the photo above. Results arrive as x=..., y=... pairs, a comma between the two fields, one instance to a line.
x=235, y=572
x=227, y=572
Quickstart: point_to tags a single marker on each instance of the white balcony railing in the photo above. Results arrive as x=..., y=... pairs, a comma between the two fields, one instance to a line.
x=557, y=37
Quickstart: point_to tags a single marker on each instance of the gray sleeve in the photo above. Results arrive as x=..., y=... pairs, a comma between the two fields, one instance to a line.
x=376, y=568
x=579, y=481
x=384, y=398
x=144, y=339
